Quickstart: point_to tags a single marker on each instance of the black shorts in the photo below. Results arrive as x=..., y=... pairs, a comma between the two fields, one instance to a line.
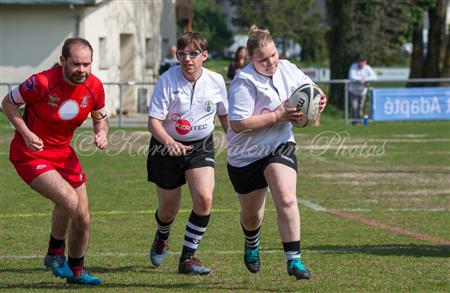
x=251, y=177
x=168, y=171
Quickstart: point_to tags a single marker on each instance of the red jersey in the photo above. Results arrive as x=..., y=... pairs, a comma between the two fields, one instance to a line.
x=54, y=108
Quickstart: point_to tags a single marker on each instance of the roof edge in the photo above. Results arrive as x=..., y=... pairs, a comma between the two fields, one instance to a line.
x=50, y=2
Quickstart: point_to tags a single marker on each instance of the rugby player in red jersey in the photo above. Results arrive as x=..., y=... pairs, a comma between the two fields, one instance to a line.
x=57, y=101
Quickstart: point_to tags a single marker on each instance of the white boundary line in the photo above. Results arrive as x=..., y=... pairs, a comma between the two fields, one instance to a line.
x=377, y=224
x=228, y=252
x=113, y=213
x=311, y=205
x=304, y=202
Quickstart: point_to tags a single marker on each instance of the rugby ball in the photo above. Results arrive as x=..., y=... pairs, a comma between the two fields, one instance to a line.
x=306, y=99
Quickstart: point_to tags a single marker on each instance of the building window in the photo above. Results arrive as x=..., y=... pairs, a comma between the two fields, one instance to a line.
x=103, y=52
x=149, y=60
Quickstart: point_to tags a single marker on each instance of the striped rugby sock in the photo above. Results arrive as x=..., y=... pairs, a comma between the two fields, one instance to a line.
x=251, y=237
x=195, y=228
x=291, y=250
x=163, y=228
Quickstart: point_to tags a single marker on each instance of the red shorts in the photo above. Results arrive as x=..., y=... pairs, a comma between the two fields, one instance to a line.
x=30, y=165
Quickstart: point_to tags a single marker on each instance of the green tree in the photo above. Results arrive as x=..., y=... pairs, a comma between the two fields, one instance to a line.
x=208, y=20
x=286, y=19
x=436, y=61
x=375, y=28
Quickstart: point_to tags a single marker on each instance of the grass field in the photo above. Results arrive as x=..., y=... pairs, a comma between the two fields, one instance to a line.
x=374, y=203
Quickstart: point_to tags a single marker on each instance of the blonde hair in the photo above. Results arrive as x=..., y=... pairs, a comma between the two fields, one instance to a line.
x=257, y=38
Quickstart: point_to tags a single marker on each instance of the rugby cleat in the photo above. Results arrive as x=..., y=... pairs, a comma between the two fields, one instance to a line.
x=295, y=267
x=84, y=278
x=251, y=258
x=158, y=251
x=58, y=265
x=192, y=266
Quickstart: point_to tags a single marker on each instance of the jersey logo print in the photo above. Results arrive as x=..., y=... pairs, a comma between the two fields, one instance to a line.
x=183, y=126
x=175, y=117
x=264, y=88
x=208, y=105
x=29, y=84
x=68, y=110
x=41, y=166
x=53, y=100
x=84, y=101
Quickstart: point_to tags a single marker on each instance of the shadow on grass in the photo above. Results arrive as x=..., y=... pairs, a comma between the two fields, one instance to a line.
x=112, y=282
x=98, y=270
x=48, y=285
x=102, y=271
x=172, y=286
x=386, y=249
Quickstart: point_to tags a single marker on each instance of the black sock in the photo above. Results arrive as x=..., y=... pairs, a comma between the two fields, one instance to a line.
x=251, y=237
x=195, y=228
x=75, y=264
x=291, y=250
x=56, y=246
x=163, y=230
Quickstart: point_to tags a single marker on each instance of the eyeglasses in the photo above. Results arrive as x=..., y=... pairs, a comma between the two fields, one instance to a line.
x=192, y=54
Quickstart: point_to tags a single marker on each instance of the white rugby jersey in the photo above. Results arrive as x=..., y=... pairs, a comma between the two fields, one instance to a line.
x=188, y=110
x=253, y=94
x=356, y=74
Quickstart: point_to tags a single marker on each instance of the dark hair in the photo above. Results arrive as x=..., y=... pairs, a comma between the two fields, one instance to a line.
x=193, y=39
x=361, y=58
x=236, y=54
x=70, y=42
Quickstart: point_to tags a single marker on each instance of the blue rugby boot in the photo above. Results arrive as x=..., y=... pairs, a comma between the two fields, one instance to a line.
x=295, y=267
x=192, y=266
x=158, y=251
x=251, y=258
x=84, y=278
x=58, y=265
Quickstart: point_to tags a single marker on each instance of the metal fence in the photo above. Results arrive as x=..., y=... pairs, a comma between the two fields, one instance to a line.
x=401, y=82
x=118, y=94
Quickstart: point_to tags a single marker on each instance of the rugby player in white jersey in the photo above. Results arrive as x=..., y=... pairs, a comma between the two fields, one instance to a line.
x=181, y=120
x=261, y=147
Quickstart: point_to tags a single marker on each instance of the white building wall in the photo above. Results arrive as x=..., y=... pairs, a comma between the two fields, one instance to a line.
x=144, y=20
x=31, y=38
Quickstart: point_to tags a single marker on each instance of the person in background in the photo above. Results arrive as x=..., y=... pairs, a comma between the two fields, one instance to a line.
x=169, y=61
x=57, y=101
x=360, y=73
x=261, y=148
x=239, y=61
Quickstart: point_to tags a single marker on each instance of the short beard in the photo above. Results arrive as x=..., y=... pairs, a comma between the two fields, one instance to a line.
x=72, y=79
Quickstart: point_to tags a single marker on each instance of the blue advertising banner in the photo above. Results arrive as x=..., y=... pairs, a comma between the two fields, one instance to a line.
x=421, y=103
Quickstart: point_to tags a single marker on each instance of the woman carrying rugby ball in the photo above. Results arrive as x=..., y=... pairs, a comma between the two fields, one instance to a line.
x=261, y=147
